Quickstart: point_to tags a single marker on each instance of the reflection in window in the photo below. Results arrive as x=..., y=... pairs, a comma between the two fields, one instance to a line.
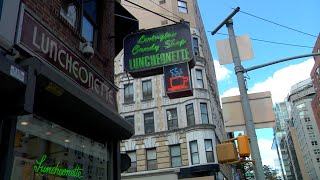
x=133, y=157
x=128, y=92
x=148, y=123
x=194, y=152
x=190, y=115
x=130, y=119
x=182, y=7
x=209, y=150
x=87, y=30
x=152, y=159
x=147, y=89
x=199, y=78
x=69, y=11
x=204, y=113
x=172, y=118
x=195, y=45
x=175, y=154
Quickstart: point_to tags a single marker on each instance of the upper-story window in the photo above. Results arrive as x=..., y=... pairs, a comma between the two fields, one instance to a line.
x=128, y=92
x=194, y=152
x=190, y=115
x=130, y=119
x=148, y=123
x=204, y=113
x=147, y=89
x=182, y=7
x=81, y=14
x=175, y=155
x=195, y=44
x=152, y=159
x=209, y=150
x=172, y=118
x=199, y=77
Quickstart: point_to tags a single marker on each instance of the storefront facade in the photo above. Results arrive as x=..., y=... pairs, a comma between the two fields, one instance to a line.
x=58, y=108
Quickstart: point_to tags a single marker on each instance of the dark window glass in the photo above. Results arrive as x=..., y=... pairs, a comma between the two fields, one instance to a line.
x=209, y=150
x=190, y=115
x=133, y=157
x=147, y=89
x=152, y=159
x=128, y=92
x=172, y=118
x=90, y=8
x=195, y=45
x=204, y=113
x=175, y=154
x=182, y=7
x=148, y=123
x=194, y=152
x=70, y=11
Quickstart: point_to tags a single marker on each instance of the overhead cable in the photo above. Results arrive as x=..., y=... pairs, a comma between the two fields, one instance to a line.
x=277, y=24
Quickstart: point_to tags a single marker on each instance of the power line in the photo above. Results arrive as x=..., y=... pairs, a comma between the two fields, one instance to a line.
x=166, y=10
x=151, y=11
x=146, y=10
x=273, y=42
x=277, y=24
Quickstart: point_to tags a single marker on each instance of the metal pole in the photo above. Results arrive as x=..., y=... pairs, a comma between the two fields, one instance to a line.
x=279, y=61
x=239, y=70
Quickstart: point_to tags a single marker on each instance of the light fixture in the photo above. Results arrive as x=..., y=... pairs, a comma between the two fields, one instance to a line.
x=66, y=140
x=24, y=123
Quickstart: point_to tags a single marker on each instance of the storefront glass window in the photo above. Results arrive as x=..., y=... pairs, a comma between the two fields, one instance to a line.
x=45, y=150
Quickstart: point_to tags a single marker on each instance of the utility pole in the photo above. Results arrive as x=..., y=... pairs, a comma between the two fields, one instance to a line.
x=239, y=70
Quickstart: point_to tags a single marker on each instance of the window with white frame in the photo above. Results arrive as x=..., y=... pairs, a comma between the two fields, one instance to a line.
x=204, y=113
x=128, y=93
x=182, y=6
x=316, y=151
x=194, y=152
x=172, y=118
x=195, y=44
x=152, y=159
x=209, y=150
x=190, y=115
x=146, y=89
x=199, y=77
x=175, y=155
x=148, y=123
x=133, y=157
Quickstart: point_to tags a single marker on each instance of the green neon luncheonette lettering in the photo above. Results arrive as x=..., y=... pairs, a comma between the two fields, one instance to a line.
x=159, y=59
x=41, y=169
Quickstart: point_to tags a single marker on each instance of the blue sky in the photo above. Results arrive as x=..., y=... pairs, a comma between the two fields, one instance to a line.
x=299, y=15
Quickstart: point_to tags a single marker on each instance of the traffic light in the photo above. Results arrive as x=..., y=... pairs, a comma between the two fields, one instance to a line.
x=243, y=146
x=227, y=152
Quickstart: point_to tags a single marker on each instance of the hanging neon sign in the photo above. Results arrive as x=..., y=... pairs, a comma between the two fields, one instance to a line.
x=41, y=169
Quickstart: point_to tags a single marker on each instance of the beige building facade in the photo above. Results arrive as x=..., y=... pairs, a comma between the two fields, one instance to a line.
x=174, y=138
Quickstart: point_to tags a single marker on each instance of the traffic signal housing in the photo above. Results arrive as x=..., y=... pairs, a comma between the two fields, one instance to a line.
x=227, y=152
x=243, y=146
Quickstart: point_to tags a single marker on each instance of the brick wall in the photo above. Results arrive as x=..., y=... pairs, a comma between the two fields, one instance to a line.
x=48, y=13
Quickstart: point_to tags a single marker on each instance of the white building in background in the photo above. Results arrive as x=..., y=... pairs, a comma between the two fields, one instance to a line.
x=300, y=98
x=174, y=138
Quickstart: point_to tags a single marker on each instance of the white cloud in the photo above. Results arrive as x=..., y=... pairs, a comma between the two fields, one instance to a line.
x=222, y=73
x=280, y=82
x=267, y=154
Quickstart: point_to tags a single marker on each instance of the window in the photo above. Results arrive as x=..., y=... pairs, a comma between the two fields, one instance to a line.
x=146, y=89
x=316, y=151
x=318, y=159
x=204, y=113
x=172, y=118
x=199, y=78
x=85, y=20
x=148, y=123
x=307, y=119
x=209, y=150
x=300, y=106
x=130, y=119
x=128, y=92
x=133, y=157
x=190, y=115
x=162, y=1
x=182, y=7
x=314, y=143
x=195, y=45
x=175, y=154
x=194, y=152
x=302, y=114
x=152, y=159
x=309, y=127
